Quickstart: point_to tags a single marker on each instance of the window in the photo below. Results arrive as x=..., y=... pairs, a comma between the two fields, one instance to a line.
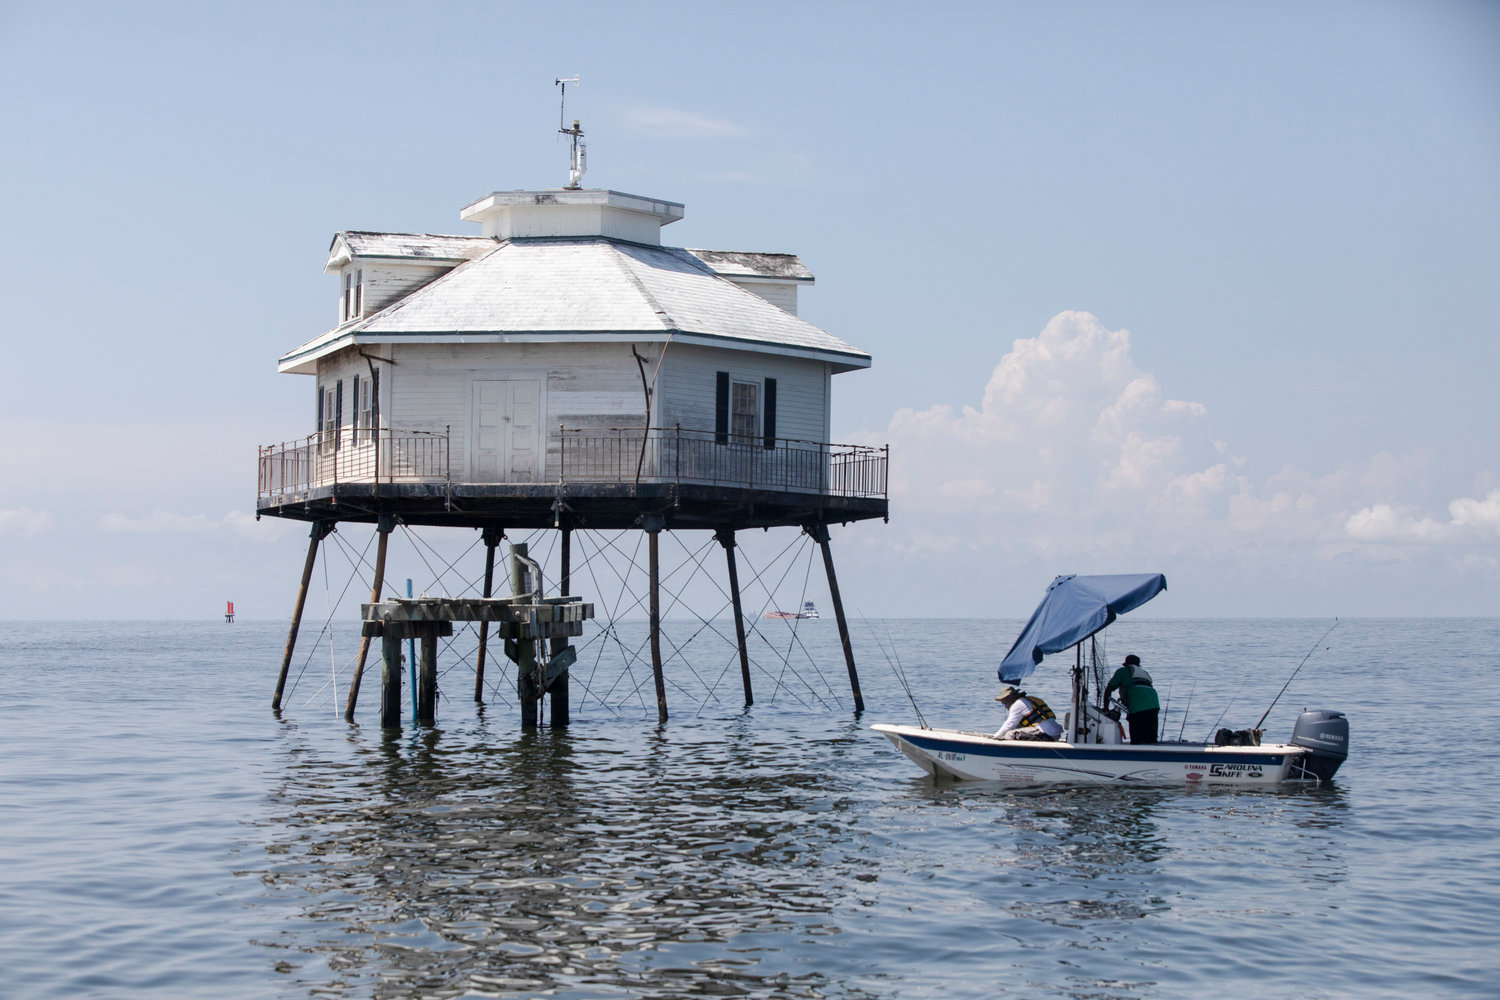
x=364, y=409
x=744, y=411
x=331, y=415
x=352, y=304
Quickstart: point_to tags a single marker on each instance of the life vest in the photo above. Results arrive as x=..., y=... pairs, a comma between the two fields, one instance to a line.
x=1138, y=675
x=1039, y=712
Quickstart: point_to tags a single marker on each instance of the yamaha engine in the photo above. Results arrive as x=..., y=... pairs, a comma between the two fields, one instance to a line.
x=1325, y=735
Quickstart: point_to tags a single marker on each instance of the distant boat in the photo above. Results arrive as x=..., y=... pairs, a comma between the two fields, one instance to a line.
x=808, y=611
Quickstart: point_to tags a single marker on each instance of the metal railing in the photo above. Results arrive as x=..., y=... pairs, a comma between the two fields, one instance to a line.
x=680, y=455
x=289, y=470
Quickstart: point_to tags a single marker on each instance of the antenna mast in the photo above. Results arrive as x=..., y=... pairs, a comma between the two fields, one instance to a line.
x=578, y=156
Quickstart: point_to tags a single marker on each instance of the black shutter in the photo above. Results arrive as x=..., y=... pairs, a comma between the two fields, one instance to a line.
x=768, y=423
x=319, y=428
x=354, y=412
x=721, y=409
x=338, y=412
x=374, y=401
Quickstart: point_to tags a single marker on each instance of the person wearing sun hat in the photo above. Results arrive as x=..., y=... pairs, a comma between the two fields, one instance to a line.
x=1141, y=704
x=1029, y=717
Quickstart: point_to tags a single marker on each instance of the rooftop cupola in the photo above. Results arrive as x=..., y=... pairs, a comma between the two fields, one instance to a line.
x=563, y=212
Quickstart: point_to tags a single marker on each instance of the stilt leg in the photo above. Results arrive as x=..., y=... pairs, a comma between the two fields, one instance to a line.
x=320, y=531
x=384, y=527
x=819, y=532
x=427, y=680
x=558, y=691
x=390, y=679
x=726, y=539
x=653, y=530
x=491, y=538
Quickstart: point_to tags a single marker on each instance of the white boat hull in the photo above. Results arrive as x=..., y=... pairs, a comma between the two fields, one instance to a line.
x=979, y=757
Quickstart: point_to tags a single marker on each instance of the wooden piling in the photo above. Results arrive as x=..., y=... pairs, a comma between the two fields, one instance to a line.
x=491, y=538
x=526, y=686
x=726, y=539
x=653, y=525
x=819, y=532
x=320, y=531
x=427, y=680
x=557, y=692
x=384, y=526
x=390, y=679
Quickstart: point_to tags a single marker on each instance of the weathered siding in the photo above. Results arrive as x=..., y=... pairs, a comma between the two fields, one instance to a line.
x=589, y=386
x=686, y=389
x=783, y=296
x=387, y=282
x=583, y=385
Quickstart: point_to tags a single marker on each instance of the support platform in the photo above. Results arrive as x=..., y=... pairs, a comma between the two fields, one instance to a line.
x=526, y=621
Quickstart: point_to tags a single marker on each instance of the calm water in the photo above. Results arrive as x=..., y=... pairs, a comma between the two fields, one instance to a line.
x=165, y=835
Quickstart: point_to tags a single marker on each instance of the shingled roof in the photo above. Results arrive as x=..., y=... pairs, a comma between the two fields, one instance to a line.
x=595, y=289
x=353, y=243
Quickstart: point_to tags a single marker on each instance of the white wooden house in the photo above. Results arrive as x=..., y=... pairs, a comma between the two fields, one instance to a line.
x=523, y=356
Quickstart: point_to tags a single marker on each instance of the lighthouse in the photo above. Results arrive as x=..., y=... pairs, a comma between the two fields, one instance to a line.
x=565, y=368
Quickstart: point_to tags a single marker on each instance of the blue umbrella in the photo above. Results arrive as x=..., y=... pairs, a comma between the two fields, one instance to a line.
x=1075, y=608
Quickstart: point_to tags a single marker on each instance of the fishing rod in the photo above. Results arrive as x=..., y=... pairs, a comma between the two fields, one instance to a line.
x=1165, y=709
x=1183, y=728
x=1226, y=708
x=895, y=668
x=1288, y=683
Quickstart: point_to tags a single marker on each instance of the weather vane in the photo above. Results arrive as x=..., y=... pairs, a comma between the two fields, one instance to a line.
x=578, y=157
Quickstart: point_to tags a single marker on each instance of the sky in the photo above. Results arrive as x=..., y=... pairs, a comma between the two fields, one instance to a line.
x=1204, y=289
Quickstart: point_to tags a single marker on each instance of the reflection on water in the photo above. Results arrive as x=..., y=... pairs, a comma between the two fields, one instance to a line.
x=451, y=867
x=719, y=859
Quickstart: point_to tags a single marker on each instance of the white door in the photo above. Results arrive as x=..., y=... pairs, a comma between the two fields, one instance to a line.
x=505, y=431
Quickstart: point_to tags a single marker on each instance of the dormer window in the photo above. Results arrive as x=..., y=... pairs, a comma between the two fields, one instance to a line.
x=354, y=295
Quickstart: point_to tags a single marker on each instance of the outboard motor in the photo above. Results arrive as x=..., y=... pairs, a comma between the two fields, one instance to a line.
x=1325, y=735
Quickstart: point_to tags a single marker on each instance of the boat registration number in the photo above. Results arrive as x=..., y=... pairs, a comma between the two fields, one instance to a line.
x=950, y=755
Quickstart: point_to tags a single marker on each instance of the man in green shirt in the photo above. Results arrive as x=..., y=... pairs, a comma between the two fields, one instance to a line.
x=1139, y=697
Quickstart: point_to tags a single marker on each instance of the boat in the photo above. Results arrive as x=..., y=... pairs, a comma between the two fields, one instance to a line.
x=1092, y=749
x=808, y=611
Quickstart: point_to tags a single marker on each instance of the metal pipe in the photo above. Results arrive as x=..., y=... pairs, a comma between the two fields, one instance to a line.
x=383, y=527
x=320, y=530
x=652, y=525
x=411, y=659
x=491, y=537
x=819, y=533
x=726, y=539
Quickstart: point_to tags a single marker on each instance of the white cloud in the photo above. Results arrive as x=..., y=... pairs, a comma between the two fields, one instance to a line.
x=1077, y=458
x=674, y=123
x=1478, y=513
x=1471, y=520
x=25, y=522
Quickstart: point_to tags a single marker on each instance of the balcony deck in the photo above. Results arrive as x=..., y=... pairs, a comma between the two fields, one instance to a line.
x=605, y=479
